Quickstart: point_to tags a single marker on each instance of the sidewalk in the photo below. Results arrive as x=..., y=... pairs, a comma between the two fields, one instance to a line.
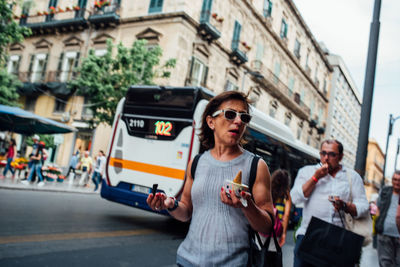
x=9, y=183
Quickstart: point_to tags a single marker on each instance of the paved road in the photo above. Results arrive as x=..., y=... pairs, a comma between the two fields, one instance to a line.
x=42, y=228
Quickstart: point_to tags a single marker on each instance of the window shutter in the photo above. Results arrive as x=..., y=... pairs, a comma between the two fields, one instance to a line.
x=18, y=64
x=270, y=7
x=59, y=68
x=191, y=63
x=236, y=35
x=45, y=67
x=31, y=64
x=160, y=4
x=77, y=60
x=82, y=3
x=205, y=73
x=152, y=4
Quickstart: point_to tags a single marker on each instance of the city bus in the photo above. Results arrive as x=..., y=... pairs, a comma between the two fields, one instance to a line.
x=155, y=135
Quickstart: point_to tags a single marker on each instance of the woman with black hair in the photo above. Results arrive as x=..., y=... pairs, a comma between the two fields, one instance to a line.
x=36, y=159
x=280, y=187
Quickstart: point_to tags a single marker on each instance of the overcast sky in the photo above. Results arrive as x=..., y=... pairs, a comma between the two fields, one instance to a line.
x=344, y=26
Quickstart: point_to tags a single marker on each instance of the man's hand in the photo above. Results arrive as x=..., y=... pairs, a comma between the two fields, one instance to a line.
x=322, y=171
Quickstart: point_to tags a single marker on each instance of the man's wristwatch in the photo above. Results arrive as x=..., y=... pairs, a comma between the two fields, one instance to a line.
x=176, y=203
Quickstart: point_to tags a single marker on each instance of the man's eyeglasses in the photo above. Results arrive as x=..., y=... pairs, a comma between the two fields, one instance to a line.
x=330, y=154
x=231, y=115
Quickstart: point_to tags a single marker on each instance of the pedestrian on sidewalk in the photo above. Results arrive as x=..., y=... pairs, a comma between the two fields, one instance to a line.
x=386, y=227
x=36, y=166
x=11, y=153
x=220, y=224
x=280, y=189
x=315, y=183
x=72, y=164
x=86, y=167
x=99, y=169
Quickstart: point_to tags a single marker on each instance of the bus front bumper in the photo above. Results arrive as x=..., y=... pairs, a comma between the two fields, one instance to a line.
x=123, y=194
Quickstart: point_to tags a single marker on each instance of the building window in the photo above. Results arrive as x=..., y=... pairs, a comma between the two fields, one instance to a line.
x=60, y=105
x=288, y=118
x=284, y=29
x=267, y=11
x=236, y=36
x=37, y=67
x=30, y=103
x=206, y=11
x=297, y=47
x=299, y=130
x=273, y=108
x=230, y=86
x=86, y=111
x=155, y=6
x=291, y=86
x=198, y=73
x=277, y=71
x=13, y=64
x=100, y=52
x=67, y=64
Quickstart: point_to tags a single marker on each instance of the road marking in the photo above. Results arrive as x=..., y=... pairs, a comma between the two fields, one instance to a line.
x=70, y=236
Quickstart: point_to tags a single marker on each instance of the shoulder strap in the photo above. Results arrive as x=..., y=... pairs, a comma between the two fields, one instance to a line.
x=351, y=185
x=194, y=164
x=253, y=171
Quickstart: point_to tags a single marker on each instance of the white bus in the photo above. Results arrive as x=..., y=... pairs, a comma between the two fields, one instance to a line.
x=155, y=135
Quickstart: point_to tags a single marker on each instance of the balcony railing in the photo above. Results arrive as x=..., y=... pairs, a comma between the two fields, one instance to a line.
x=66, y=20
x=105, y=15
x=209, y=27
x=45, y=77
x=281, y=91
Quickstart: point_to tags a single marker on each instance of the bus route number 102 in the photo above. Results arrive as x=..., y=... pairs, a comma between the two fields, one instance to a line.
x=163, y=128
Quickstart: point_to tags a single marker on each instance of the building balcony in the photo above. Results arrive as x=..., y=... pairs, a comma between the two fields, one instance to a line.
x=274, y=86
x=105, y=16
x=237, y=55
x=65, y=21
x=209, y=27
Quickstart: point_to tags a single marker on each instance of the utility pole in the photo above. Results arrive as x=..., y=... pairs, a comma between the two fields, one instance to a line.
x=397, y=154
x=362, y=147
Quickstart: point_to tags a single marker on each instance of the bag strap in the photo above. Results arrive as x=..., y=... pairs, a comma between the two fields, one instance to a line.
x=194, y=164
x=351, y=185
x=266, y=245
x=253, y=172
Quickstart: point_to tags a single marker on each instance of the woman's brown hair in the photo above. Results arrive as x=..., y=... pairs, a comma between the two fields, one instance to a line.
x=280, y=184
x=206, y=134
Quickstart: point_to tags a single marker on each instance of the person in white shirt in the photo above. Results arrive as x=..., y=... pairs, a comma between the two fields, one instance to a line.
x=315, y=184
x=99, y=169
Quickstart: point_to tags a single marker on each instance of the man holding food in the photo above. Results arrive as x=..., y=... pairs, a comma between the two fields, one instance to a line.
x=324, y=189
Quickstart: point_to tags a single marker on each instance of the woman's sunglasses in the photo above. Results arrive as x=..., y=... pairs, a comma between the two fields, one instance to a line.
x=232, y=114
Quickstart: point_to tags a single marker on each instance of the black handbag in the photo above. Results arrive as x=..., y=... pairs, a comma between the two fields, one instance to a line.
x=259, y=255
x=326, y=244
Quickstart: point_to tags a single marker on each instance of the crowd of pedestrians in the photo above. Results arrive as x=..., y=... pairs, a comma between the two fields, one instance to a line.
x=85, y=164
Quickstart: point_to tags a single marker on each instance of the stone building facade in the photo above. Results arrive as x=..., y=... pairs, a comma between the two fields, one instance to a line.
x=261, y=47
x=344, y=110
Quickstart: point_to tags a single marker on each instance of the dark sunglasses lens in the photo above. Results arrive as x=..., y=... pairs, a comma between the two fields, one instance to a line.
x=230, y=115
x=245, y=118
x=332, y=154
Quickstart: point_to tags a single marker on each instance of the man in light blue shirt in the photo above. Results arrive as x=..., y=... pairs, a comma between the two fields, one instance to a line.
x=324, y=189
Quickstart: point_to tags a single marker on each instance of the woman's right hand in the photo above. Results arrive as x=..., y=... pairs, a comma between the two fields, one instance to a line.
x=159, y=201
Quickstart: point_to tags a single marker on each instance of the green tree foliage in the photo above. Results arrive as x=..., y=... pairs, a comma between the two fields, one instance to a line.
x=10, y=32
x=106, y=79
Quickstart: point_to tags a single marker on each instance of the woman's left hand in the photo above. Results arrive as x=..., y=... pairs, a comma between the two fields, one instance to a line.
x=234, y=201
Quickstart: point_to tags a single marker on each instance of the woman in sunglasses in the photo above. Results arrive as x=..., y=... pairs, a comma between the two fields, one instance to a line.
x=218, y=234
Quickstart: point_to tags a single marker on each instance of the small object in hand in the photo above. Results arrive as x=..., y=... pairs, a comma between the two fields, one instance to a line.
x=237, y=187
x=238, y=178
x=154, y=189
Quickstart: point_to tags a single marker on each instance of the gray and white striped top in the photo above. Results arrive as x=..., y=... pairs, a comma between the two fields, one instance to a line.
x=218, y=233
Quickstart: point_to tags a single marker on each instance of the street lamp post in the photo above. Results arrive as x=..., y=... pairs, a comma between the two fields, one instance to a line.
x=397, y=154
x=252, y=73
x=391, y=122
